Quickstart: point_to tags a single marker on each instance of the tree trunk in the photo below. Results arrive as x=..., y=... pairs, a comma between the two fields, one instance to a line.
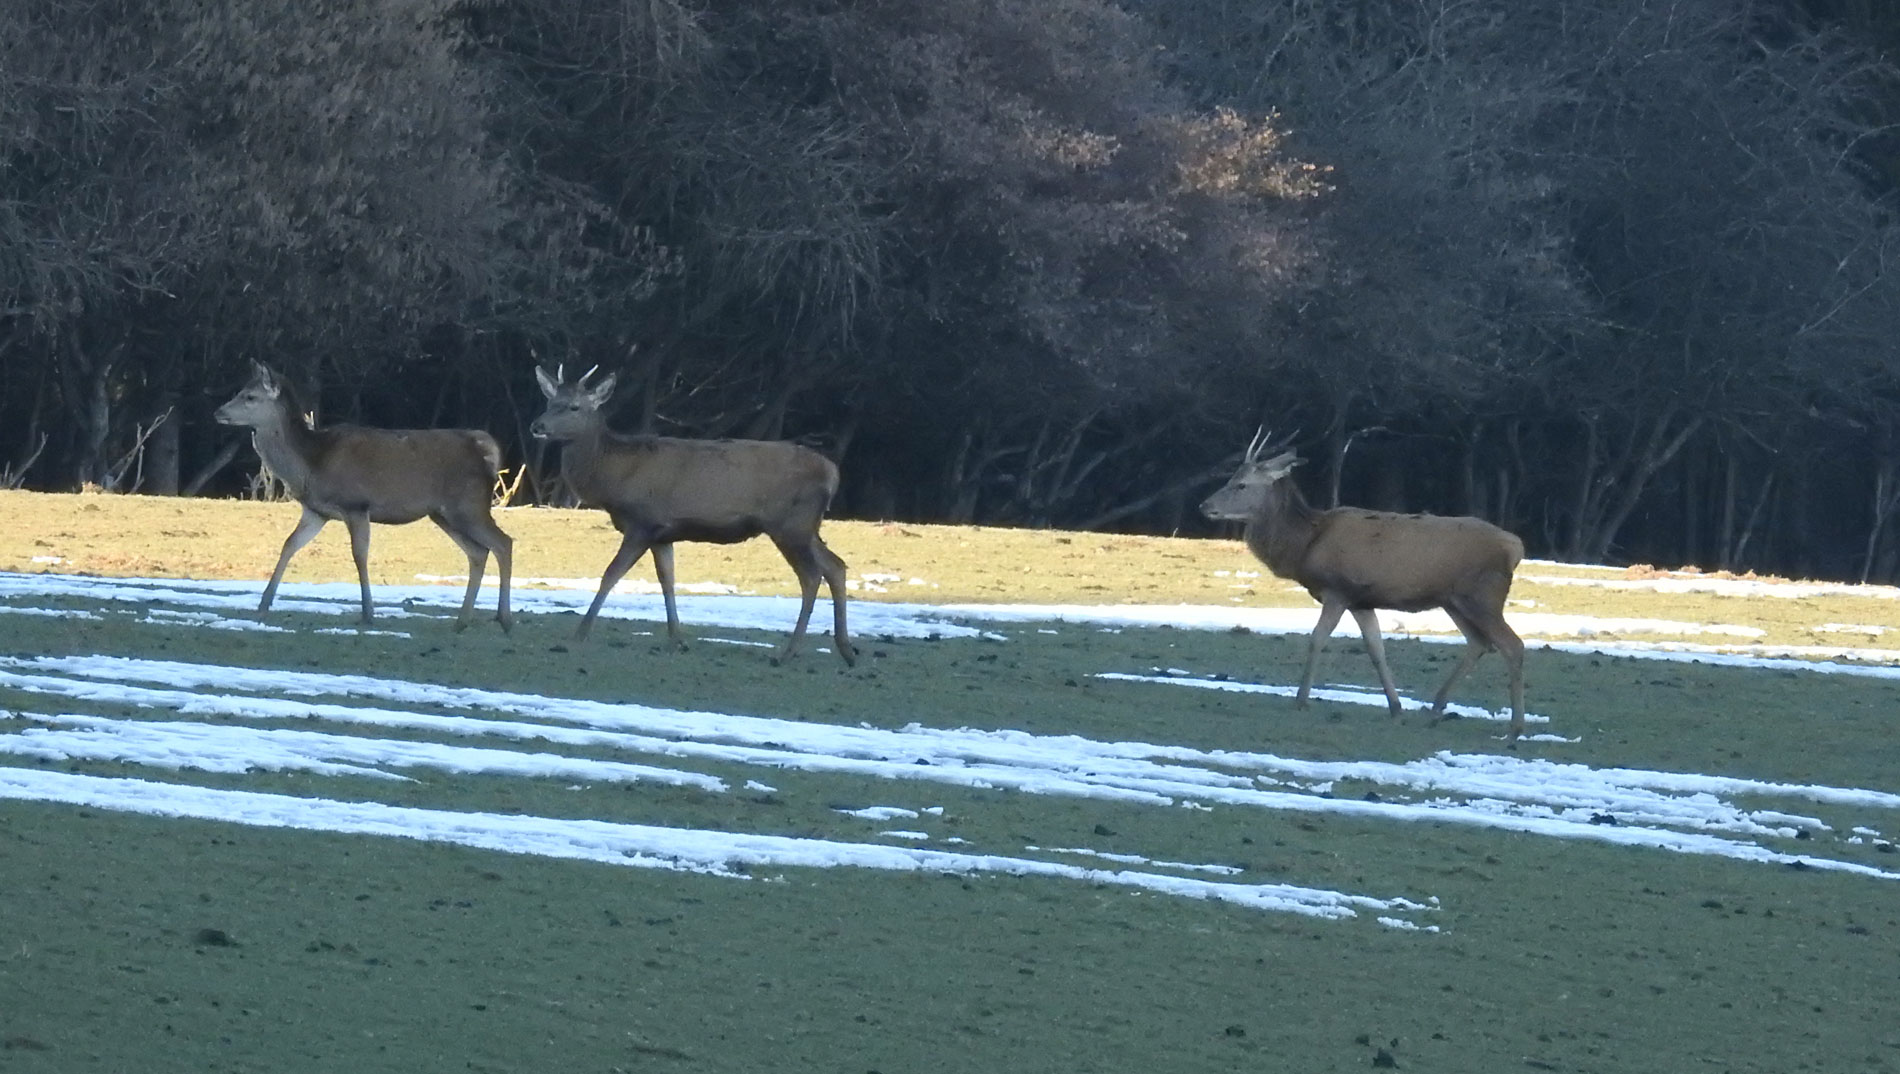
x=161, y=459
x=1659, y=447
x=90, y=406
x=1689, y=548
x=962, y=485
x=1337, y=443
x=1736, y=559
x=1731, y=479
x=218, y=462
x=1583, y=500
x=32, y=442
x=1608, y=491
x=1510, y=478
x=1470, y=488
x=1886, y=499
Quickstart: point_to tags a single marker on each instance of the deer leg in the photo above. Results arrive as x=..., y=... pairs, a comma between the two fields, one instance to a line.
x=1329, y=613
x=1475, y=647
x=1368, y=621
x=1489, y=630
x=632, y=547
x=477, y=554
x=833, y=569
x=663, y=570
x=478, y=536
x=504, y=549
x=805, y=566
x=359, y=551
x=1511, y=648
x=307, y=527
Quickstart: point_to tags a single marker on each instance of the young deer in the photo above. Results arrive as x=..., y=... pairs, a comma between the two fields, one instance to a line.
x=658, y=490
x=363, y=475
x=1354, y=560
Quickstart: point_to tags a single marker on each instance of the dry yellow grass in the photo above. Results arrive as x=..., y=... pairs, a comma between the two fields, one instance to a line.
x=239, y=539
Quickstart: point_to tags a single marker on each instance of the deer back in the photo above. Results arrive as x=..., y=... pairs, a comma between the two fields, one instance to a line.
x=704, y=486
x=1406, y=562
x=395, y=474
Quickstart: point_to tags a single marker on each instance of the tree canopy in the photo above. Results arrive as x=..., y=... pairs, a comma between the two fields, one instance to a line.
x=1610, y=274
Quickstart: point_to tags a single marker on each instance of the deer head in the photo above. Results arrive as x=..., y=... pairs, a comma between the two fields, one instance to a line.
x=257, y=403
x=1248, y=488
x=574, y=408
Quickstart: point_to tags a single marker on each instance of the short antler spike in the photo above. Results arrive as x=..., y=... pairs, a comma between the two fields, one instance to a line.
x=1260, y=438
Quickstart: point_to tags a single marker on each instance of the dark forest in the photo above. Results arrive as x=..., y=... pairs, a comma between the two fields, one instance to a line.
x=1611, y=274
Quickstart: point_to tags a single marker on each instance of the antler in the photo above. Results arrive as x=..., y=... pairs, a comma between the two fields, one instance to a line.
x=1264, y=446
x=1260, y=438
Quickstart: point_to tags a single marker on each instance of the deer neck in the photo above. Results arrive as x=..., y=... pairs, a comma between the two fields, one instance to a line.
x=290, y=448
x=581, y=456
x=1281, y=529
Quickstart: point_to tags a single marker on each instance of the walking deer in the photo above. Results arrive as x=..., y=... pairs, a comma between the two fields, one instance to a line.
x=659, y=490
x=361, y=476
x=1354, y=560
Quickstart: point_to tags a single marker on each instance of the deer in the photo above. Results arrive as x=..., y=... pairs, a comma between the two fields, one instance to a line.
x=362, y=475
x=659, y=490
x=1351, y=559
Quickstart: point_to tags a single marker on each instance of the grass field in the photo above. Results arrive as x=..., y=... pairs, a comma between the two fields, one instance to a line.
x=1055, y=819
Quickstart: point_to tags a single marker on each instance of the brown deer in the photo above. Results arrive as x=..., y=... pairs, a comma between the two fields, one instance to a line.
x=1354, y=560
x=658, y=490
x=363, y=475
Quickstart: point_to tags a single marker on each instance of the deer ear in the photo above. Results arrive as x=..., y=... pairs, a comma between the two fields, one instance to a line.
x=549, y=385
x=605, y=388
x=1281, y=465
x=266, y=379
